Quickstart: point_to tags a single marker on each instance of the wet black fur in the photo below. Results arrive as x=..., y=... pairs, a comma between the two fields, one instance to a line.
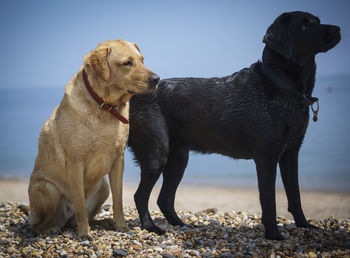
x=241, y=116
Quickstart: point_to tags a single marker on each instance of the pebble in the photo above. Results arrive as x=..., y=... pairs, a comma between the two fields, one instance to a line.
x=194, y=252
x=230, y=234
x=168, y=242
x=107, y=207
x=147, y=236
x=119, y=252
x=158, y=249
x=86, y=242
x=135, y=242
x=3, y=241
x=164, y=246
x=67, y=234
x=11, y=250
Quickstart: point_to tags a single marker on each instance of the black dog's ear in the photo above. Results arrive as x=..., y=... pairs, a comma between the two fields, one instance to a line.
x=277, y=36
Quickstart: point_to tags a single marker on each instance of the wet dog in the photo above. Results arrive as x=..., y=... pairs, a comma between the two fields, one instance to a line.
x=85, y=138
x=258, y=113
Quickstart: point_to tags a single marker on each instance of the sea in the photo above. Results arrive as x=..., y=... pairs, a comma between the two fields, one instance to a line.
x=324, y=160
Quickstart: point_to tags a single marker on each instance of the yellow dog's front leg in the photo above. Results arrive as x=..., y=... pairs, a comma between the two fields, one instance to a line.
x=116, y=182
x=77, y=193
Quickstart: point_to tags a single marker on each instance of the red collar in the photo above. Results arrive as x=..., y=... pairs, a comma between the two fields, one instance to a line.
x=101, y=103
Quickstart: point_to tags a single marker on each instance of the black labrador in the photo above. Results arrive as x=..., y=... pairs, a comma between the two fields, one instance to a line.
x=258, y=113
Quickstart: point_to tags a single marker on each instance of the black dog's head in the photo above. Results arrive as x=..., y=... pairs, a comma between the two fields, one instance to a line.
x=300, y=34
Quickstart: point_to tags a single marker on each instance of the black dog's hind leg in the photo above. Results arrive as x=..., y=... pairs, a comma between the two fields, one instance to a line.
x=172, y=175
x=289, y=172
x=141, y=197
x=266, y=170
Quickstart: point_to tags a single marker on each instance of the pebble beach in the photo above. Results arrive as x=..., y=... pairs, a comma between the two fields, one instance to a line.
x=210, y=234
x=223, y=222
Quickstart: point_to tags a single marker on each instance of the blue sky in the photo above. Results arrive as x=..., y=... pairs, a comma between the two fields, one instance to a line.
x=43, y=42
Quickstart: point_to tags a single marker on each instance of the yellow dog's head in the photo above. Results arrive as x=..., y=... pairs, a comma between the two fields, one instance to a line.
x=117, y=66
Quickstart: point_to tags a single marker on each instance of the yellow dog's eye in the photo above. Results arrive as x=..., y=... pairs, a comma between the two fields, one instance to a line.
x=128, y=63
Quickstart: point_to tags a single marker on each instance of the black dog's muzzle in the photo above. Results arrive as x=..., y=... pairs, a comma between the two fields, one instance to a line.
x=331, y=36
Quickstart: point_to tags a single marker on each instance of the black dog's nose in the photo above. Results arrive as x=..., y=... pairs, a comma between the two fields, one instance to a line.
x=153, y=80
x=335, y=30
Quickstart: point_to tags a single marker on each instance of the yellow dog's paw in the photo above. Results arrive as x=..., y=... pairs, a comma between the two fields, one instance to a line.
x=86, y=237
x=49, y=231
x=121, y=227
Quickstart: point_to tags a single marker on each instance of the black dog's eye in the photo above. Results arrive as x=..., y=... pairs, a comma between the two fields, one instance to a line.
x=128, y=63
x=305, y=25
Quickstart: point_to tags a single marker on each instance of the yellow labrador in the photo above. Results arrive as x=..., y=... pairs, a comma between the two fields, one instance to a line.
x=85, y=138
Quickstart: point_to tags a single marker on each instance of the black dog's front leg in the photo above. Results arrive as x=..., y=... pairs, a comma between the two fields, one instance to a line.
x=266, y=170
x=289, y=172
x=141, y=197
x=172, y=175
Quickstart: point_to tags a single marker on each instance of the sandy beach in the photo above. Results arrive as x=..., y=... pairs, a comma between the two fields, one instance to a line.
x=194, y=198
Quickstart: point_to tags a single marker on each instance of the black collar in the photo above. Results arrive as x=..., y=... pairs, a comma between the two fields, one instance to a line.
x=290, y=90
x=286, y=87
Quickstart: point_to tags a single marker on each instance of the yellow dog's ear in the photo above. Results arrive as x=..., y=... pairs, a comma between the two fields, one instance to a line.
x=135, y=45
x=99, y=61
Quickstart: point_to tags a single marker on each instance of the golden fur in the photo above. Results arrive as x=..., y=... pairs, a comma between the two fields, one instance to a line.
x=80, y=143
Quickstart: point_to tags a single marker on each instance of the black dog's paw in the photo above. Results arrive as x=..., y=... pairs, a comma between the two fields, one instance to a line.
x=273, y=235
x=155, y=229
x=174, y=220
x=305, y=224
